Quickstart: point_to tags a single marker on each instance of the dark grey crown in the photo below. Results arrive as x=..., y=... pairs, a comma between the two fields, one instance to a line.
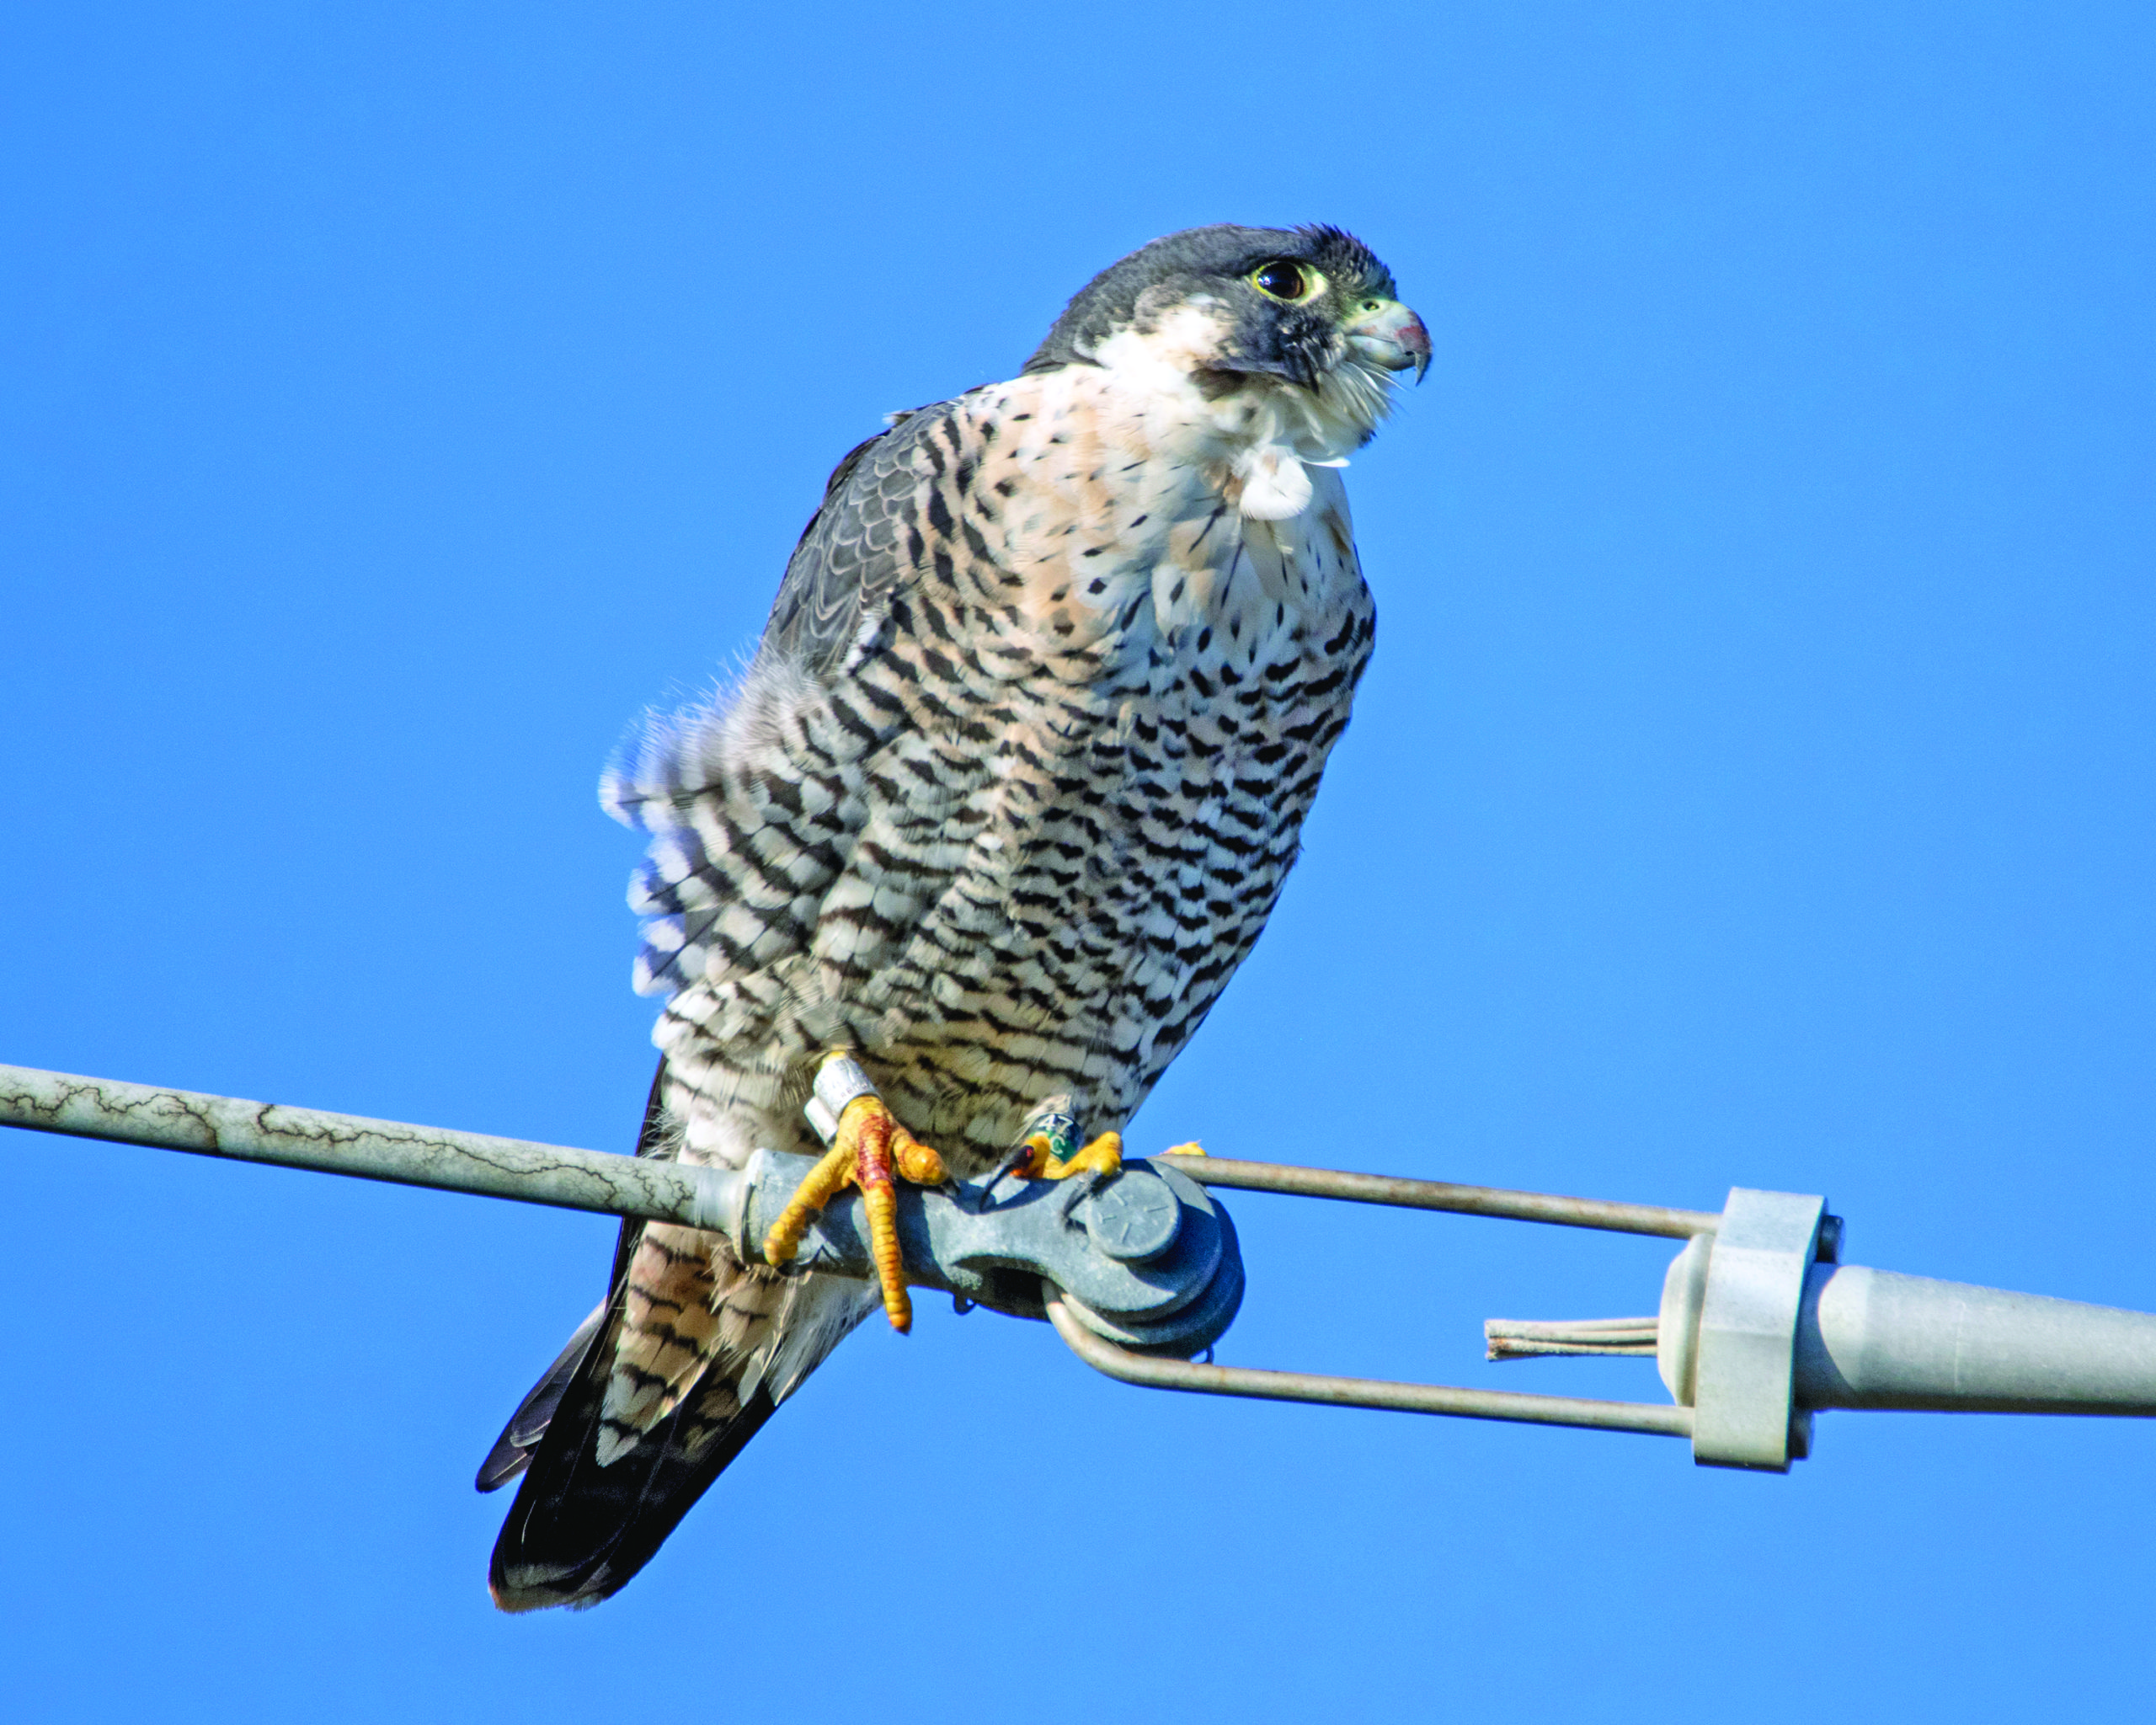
x=1218, y=259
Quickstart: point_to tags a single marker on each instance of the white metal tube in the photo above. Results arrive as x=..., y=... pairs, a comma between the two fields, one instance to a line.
x=1874, y=1338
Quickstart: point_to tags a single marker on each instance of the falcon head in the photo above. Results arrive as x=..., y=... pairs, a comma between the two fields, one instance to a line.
x=1310, y=308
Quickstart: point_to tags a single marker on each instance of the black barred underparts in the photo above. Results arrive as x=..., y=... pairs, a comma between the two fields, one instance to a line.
x=1021, y=842
x=1013, y=782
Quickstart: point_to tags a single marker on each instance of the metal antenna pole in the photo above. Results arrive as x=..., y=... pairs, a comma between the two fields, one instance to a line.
x=1760, y=1324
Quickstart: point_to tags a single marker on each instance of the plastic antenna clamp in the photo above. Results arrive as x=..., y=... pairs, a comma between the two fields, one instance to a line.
x=1758, y=1331
x=1743, y=1348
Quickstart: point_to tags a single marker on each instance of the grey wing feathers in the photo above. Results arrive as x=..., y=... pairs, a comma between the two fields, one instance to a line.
x=851, y=555
x=512, y=1450
x=719, y=786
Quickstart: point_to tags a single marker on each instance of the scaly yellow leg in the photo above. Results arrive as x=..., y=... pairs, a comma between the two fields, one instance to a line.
x=869, y=1146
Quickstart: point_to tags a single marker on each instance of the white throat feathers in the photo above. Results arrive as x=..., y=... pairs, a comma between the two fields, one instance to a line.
x=1257, y=439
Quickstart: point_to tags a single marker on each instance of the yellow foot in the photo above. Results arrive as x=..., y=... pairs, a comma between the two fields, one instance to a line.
x=869, y=1146
x=1192, y=1148
x=1103, y=1156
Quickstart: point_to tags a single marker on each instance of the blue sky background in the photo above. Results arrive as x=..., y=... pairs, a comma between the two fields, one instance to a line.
x=1753, y=786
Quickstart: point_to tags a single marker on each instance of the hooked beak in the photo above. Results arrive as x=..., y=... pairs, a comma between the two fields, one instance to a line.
x=1392, y=337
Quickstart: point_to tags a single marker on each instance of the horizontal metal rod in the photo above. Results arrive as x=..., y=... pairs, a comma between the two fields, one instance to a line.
x=1657, y=1219
x=997, y=1258
x=349, y=1144
x=396, y=1151
x=568, y=1178
x=1155, y=1374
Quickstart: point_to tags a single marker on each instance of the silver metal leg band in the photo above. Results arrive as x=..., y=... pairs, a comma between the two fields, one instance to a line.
x=839, y=1080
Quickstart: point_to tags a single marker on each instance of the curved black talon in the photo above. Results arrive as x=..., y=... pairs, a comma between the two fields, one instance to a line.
x=1074, y=1192
x=1013, y=1159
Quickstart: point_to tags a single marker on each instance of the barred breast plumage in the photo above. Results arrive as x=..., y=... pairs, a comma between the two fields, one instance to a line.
x=1005, y=796
x=1007, y=825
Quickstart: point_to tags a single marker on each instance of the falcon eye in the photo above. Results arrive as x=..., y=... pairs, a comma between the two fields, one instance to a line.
x=1284, y=279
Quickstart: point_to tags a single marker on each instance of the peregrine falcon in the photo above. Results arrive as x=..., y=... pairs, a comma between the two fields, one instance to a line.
x=1008, y=790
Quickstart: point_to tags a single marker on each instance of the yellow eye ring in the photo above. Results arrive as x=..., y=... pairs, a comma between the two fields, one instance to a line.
x=1287, y=281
